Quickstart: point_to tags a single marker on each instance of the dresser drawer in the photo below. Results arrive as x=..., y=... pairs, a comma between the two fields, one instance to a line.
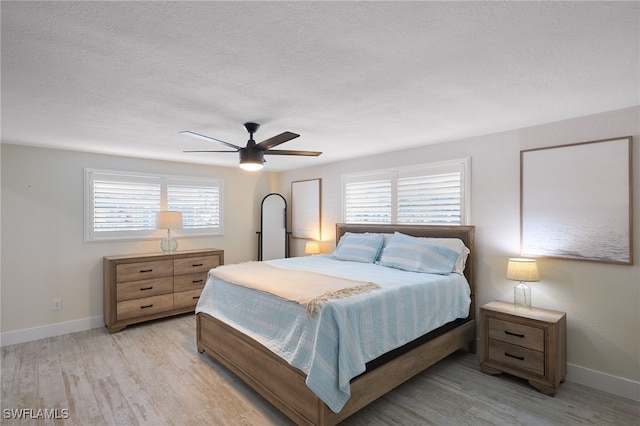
x=517, y=334
x=144, y=270
x=144, y=288
x=516, y=356
x=186, y=299
x=192, y=265
x=144, y=306
x=189, y=282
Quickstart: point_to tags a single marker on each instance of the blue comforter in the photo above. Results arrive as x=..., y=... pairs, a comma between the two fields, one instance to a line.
x=333, y=346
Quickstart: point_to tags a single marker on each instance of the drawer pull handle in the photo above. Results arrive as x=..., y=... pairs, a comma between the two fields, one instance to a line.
x=196, y=281
x=145, y=288
x=521, y=358
x=513, y=334
x=196, y=297
x=196, y=265
x=146, y=306
x=142, y=271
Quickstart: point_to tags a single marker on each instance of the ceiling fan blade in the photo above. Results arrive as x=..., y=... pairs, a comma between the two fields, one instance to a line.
x=209, y=139
x=288, y=152
x=276, y=140
x=211, y=151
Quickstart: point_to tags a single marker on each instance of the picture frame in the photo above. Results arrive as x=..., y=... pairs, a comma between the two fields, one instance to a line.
x=305, y=209
x=576, y=201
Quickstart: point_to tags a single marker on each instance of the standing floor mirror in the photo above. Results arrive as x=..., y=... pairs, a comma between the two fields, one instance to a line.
x=273, y=238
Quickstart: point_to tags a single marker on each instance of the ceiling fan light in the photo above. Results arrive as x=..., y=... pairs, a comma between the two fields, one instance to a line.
x=251, y=159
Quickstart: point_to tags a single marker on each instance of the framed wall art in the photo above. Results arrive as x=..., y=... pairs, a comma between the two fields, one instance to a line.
x=576, y=201
x=305, y=209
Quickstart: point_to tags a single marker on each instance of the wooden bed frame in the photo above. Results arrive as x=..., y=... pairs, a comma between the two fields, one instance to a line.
x=284, y=386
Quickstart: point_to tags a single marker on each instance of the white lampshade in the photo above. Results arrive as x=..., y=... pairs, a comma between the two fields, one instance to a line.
x=168, y=220
x=520, y=269
x=312, y=247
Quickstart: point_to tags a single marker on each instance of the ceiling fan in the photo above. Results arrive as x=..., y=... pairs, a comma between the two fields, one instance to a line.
x=252, y=155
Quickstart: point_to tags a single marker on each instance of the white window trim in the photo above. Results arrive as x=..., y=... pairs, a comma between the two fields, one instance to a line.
x=164, y=179
x=463, y=165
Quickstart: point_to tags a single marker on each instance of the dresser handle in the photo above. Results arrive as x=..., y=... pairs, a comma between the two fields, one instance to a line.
x=142, y=271
x=196, y=297
x=196, y=281
x=521, y=358
x=513, y=334
x=196, y=264
x=146, y=306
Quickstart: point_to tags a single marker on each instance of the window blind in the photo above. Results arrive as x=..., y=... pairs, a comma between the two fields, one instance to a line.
x=200, y=205
x=430, y=199
x=124, y=206
x=435, y=193
x=368, y=202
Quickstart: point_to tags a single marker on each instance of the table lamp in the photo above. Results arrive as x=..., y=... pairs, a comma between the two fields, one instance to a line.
x=312, y=247
x=523, y=270
x=168, y=220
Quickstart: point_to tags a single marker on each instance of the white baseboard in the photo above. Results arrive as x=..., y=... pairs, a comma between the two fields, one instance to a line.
x=51, y=330
x=584, y=376
x=604, y=382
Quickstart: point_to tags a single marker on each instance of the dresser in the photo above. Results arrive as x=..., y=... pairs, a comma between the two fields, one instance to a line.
x=527, y=343
x=144, y=287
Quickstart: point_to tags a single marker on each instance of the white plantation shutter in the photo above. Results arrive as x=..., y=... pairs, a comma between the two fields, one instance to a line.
x=123, y=206
x=200, y=205
x=435, y=193
x=430, y=199
x=368, y=200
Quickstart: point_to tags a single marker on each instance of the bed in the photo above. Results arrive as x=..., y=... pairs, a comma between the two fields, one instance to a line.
x=286, y=387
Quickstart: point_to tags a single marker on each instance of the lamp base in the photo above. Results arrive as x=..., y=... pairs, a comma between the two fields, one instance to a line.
x=168, y=243
x=522, y=296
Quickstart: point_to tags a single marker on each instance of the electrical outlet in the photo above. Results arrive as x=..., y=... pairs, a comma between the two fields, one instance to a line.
x=56, y=305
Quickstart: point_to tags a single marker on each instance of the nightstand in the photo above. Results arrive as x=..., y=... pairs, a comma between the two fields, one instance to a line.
x=527, y=343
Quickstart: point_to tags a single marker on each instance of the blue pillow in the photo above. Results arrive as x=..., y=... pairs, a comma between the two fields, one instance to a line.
x=415, y=255
x=363, y=248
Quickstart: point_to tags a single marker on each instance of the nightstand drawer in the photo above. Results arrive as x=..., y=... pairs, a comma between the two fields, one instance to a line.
x=144, y=288
x=516, y=356
x=517, y=334
x=186, y=299
x=144, y=270
x=189, y=282
x=144, y=306
x=191, y=265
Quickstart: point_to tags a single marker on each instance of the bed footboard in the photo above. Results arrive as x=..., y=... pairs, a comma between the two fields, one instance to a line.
x=284, y=386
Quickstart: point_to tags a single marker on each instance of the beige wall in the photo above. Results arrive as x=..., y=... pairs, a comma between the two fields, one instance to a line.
x=43, y=253
x=44, y=257
x=602, y=301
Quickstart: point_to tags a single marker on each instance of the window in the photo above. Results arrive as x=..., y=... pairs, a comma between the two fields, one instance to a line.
x=123, y=206
x=435, y=193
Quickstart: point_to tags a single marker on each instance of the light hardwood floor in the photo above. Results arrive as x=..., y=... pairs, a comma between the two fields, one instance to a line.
x=151, y=374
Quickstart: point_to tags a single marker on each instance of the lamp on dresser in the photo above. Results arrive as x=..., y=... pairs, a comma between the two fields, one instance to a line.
x=524, y=271
x=168, y=220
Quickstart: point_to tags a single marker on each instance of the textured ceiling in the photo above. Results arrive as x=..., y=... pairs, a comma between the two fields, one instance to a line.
x=352, y=78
